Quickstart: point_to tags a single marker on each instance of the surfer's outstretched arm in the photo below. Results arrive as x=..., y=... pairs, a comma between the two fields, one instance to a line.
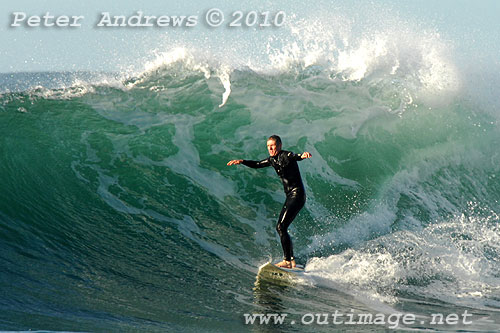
x=252, y=164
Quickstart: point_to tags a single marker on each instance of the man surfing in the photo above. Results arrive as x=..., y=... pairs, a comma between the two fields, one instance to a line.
x=285, y=164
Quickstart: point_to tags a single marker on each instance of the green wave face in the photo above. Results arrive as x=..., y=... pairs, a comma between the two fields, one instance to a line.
x=116, y=201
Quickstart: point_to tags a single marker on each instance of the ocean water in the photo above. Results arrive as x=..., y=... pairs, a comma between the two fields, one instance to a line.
x=118, y=212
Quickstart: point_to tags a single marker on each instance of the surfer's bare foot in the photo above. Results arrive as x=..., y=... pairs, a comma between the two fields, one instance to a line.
x=286, y=264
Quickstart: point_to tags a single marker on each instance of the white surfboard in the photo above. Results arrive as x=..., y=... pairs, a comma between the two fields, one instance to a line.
x=273, y=272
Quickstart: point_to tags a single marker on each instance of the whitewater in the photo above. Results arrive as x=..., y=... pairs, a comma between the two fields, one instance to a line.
x=118, y=212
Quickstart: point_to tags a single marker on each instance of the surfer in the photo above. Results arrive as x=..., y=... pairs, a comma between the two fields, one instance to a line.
x=285, y=164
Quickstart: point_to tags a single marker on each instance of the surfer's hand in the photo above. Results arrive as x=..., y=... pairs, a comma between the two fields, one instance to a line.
x=234, y=162
x=306, y=155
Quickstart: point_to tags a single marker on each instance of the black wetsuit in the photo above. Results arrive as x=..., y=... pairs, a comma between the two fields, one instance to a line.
x=285, y=164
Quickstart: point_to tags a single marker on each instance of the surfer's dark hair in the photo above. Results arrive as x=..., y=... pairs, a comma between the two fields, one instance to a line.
x=276, y=139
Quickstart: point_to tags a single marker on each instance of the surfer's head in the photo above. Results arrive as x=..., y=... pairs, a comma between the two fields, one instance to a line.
x=273, y=145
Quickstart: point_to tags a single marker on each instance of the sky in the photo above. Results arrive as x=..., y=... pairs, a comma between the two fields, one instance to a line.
x=473, y=25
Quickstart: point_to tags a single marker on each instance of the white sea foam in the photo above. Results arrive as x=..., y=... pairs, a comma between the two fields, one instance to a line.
x=450, y=262
x=417, y=62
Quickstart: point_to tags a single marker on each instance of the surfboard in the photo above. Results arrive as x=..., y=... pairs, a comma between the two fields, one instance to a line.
x=272, y=272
